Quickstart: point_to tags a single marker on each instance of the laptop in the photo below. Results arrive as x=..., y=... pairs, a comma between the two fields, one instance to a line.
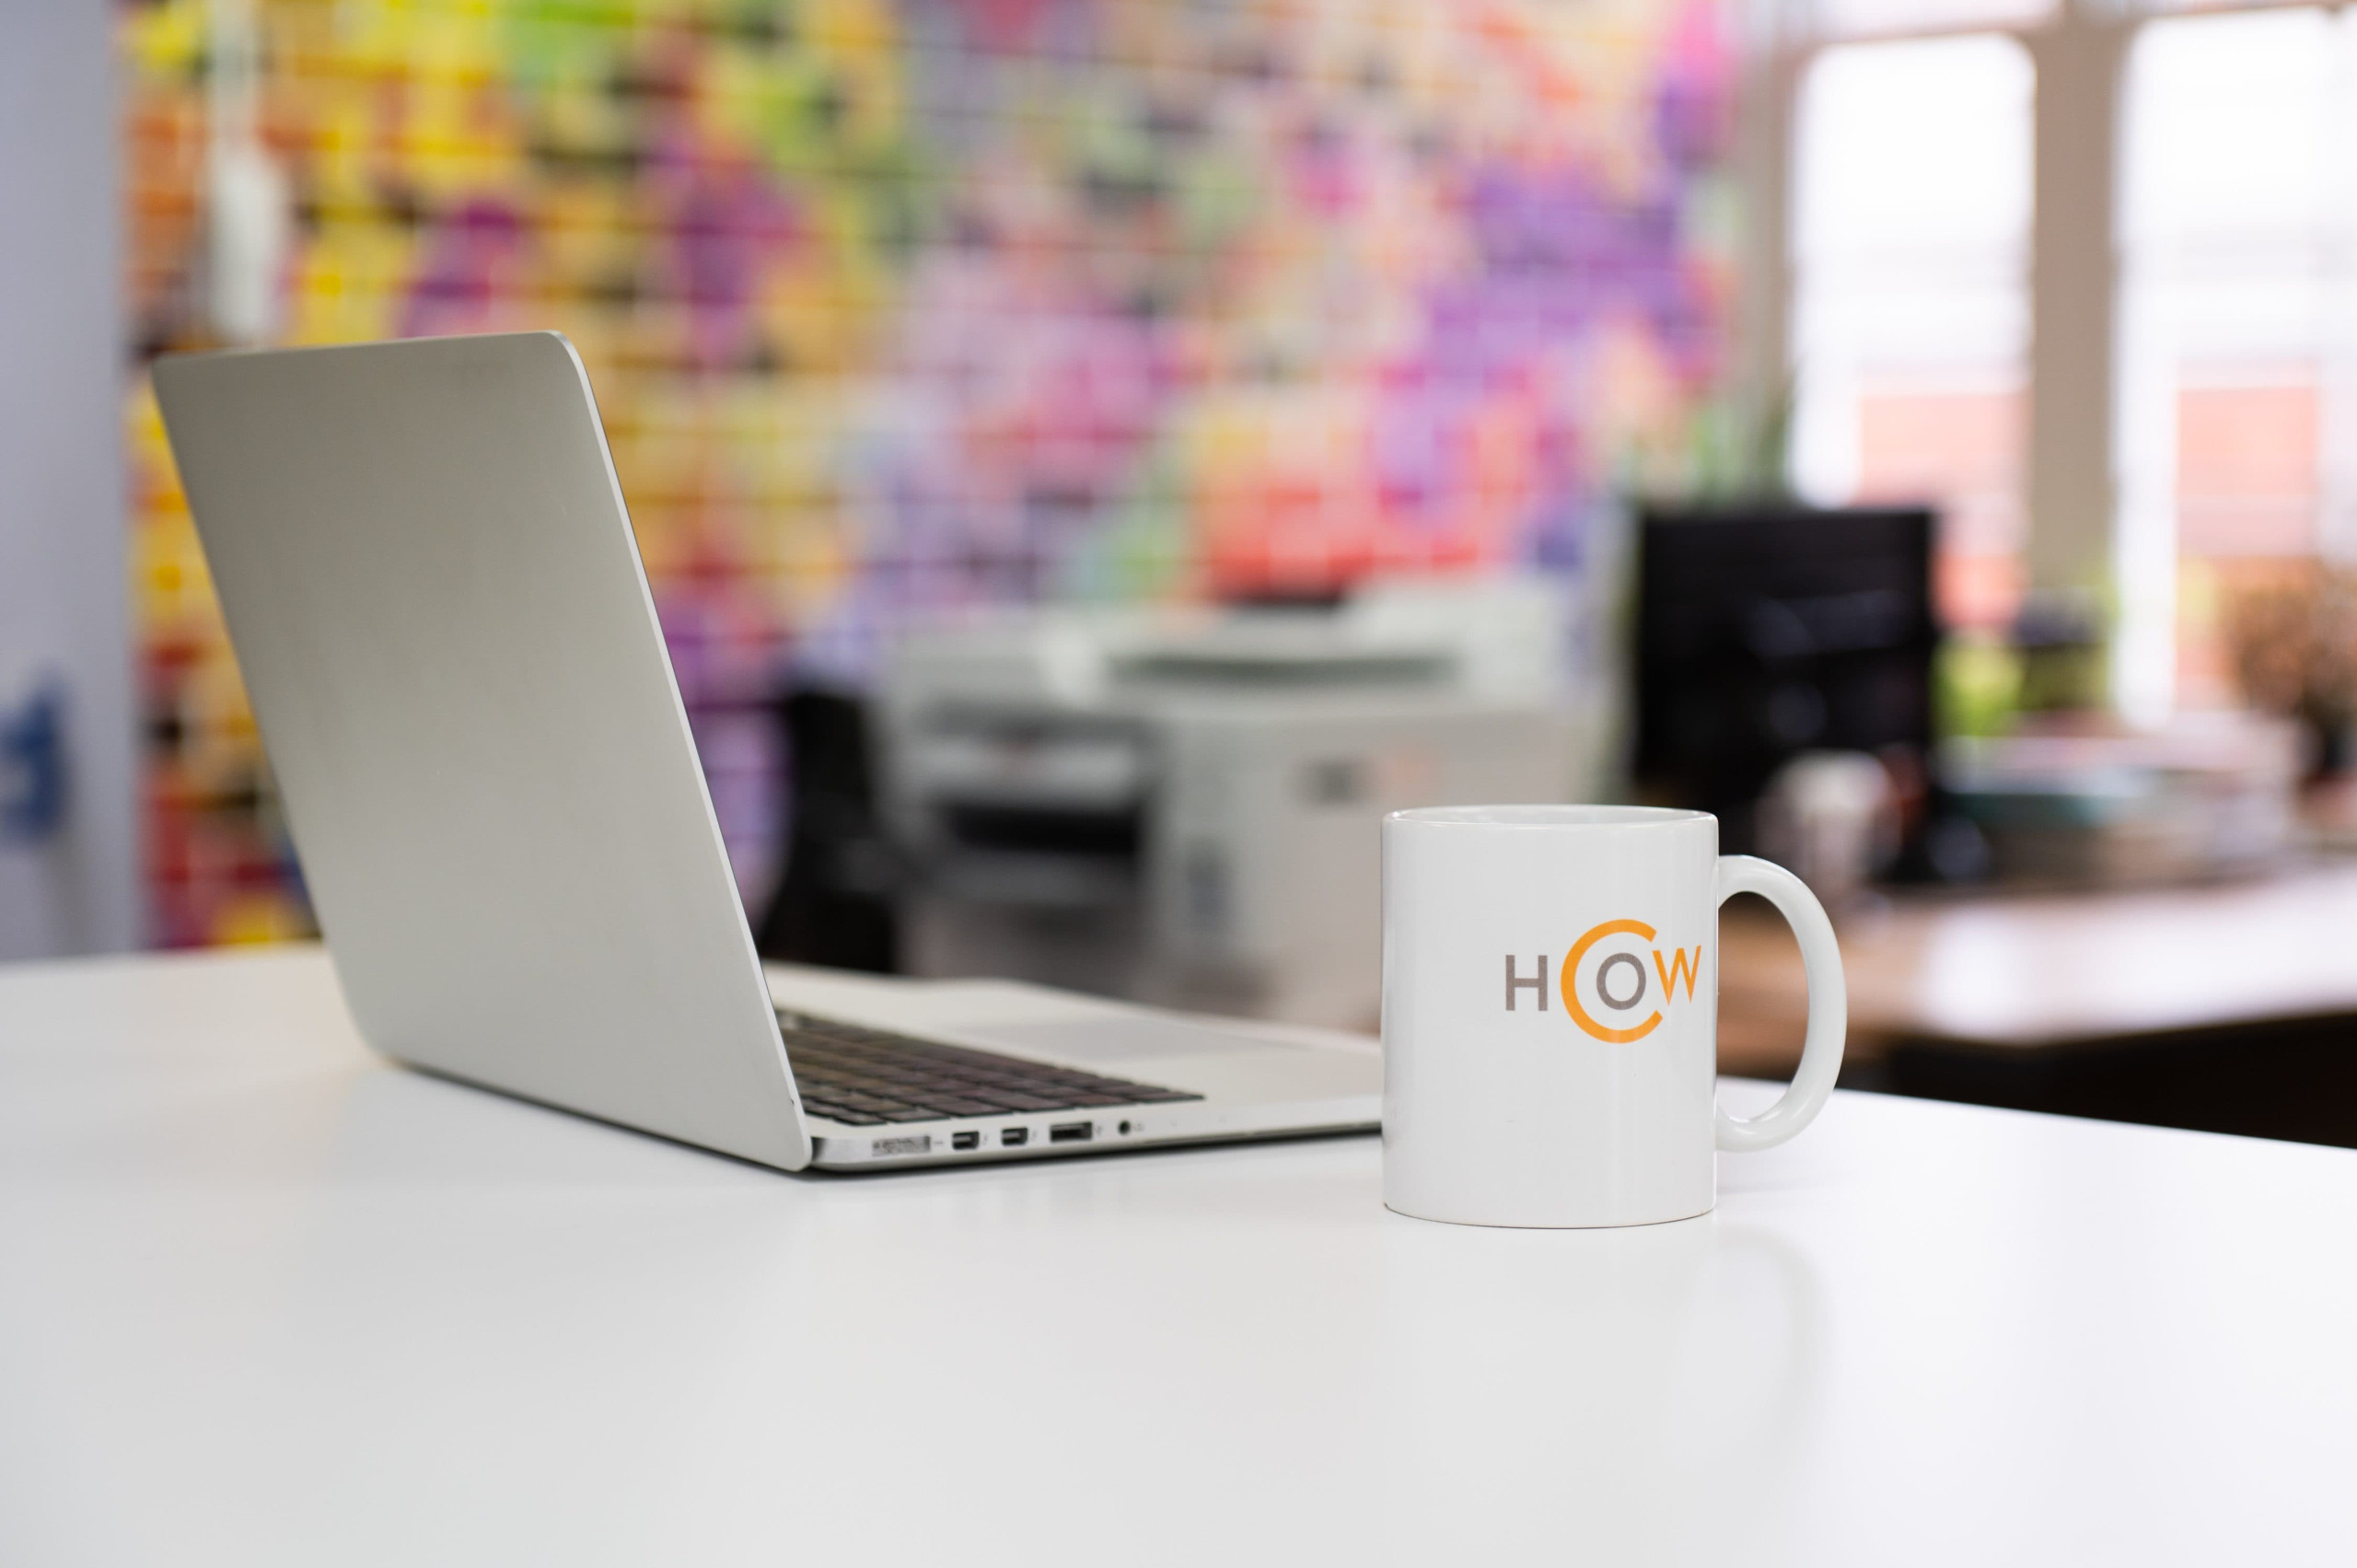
x=434, y=595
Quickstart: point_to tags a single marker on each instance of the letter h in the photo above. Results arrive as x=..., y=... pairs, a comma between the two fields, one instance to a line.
x=1536, y=983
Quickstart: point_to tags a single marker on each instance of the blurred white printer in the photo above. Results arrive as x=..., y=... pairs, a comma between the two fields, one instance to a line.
x=1181, y=806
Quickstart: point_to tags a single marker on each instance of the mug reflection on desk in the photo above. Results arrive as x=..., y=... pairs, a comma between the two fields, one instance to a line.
x=1669, y=1379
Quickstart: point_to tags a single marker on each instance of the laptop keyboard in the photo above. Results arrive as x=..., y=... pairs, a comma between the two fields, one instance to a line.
x=862, y=1076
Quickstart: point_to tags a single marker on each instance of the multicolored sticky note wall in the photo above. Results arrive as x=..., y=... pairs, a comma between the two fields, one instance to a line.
x=898, y=305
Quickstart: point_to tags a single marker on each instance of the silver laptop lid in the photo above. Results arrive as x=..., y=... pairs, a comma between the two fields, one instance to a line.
x=438, y=607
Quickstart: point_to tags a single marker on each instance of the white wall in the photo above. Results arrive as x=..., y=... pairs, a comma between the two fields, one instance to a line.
x=63, y=589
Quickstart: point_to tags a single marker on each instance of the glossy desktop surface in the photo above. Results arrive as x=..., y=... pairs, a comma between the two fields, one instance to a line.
x=272, y=1301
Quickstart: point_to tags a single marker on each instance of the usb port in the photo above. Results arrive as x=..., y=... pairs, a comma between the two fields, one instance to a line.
x=965, y=1140
x=1072, y=1132
x=1014, y=1137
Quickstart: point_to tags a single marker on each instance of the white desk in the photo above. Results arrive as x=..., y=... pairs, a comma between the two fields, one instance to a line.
x=264, y=1301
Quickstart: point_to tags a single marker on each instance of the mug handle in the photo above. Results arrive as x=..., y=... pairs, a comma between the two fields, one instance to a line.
x=1829, y=1003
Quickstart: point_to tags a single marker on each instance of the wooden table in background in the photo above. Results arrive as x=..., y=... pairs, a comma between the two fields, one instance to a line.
x=2231, y=1007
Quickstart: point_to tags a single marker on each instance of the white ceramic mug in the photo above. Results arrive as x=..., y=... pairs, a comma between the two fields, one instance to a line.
x=1550, y=985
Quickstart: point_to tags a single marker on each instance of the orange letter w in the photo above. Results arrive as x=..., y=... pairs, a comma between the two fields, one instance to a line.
x=1683, y=963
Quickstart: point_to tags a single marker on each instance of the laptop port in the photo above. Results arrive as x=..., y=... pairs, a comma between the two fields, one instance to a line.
x=965, y=1140
x=1014, y=1137
x=1072, y=1132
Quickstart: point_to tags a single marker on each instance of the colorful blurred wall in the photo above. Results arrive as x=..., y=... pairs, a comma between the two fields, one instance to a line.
x=894, y=306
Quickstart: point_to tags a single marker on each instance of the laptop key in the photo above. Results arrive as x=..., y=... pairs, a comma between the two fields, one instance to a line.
x=992, y=1104
x=1046, y=1102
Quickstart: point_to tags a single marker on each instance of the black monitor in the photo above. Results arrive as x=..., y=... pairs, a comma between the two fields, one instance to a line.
x=1763, y=632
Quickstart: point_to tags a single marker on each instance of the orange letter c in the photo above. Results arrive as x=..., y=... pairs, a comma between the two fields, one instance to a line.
x=1636, y=928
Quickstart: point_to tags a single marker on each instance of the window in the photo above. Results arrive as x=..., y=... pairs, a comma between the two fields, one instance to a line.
x=1911, y=316
x=2238, y=343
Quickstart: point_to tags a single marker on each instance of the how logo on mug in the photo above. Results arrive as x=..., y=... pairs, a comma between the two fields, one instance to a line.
x=1607, y=967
